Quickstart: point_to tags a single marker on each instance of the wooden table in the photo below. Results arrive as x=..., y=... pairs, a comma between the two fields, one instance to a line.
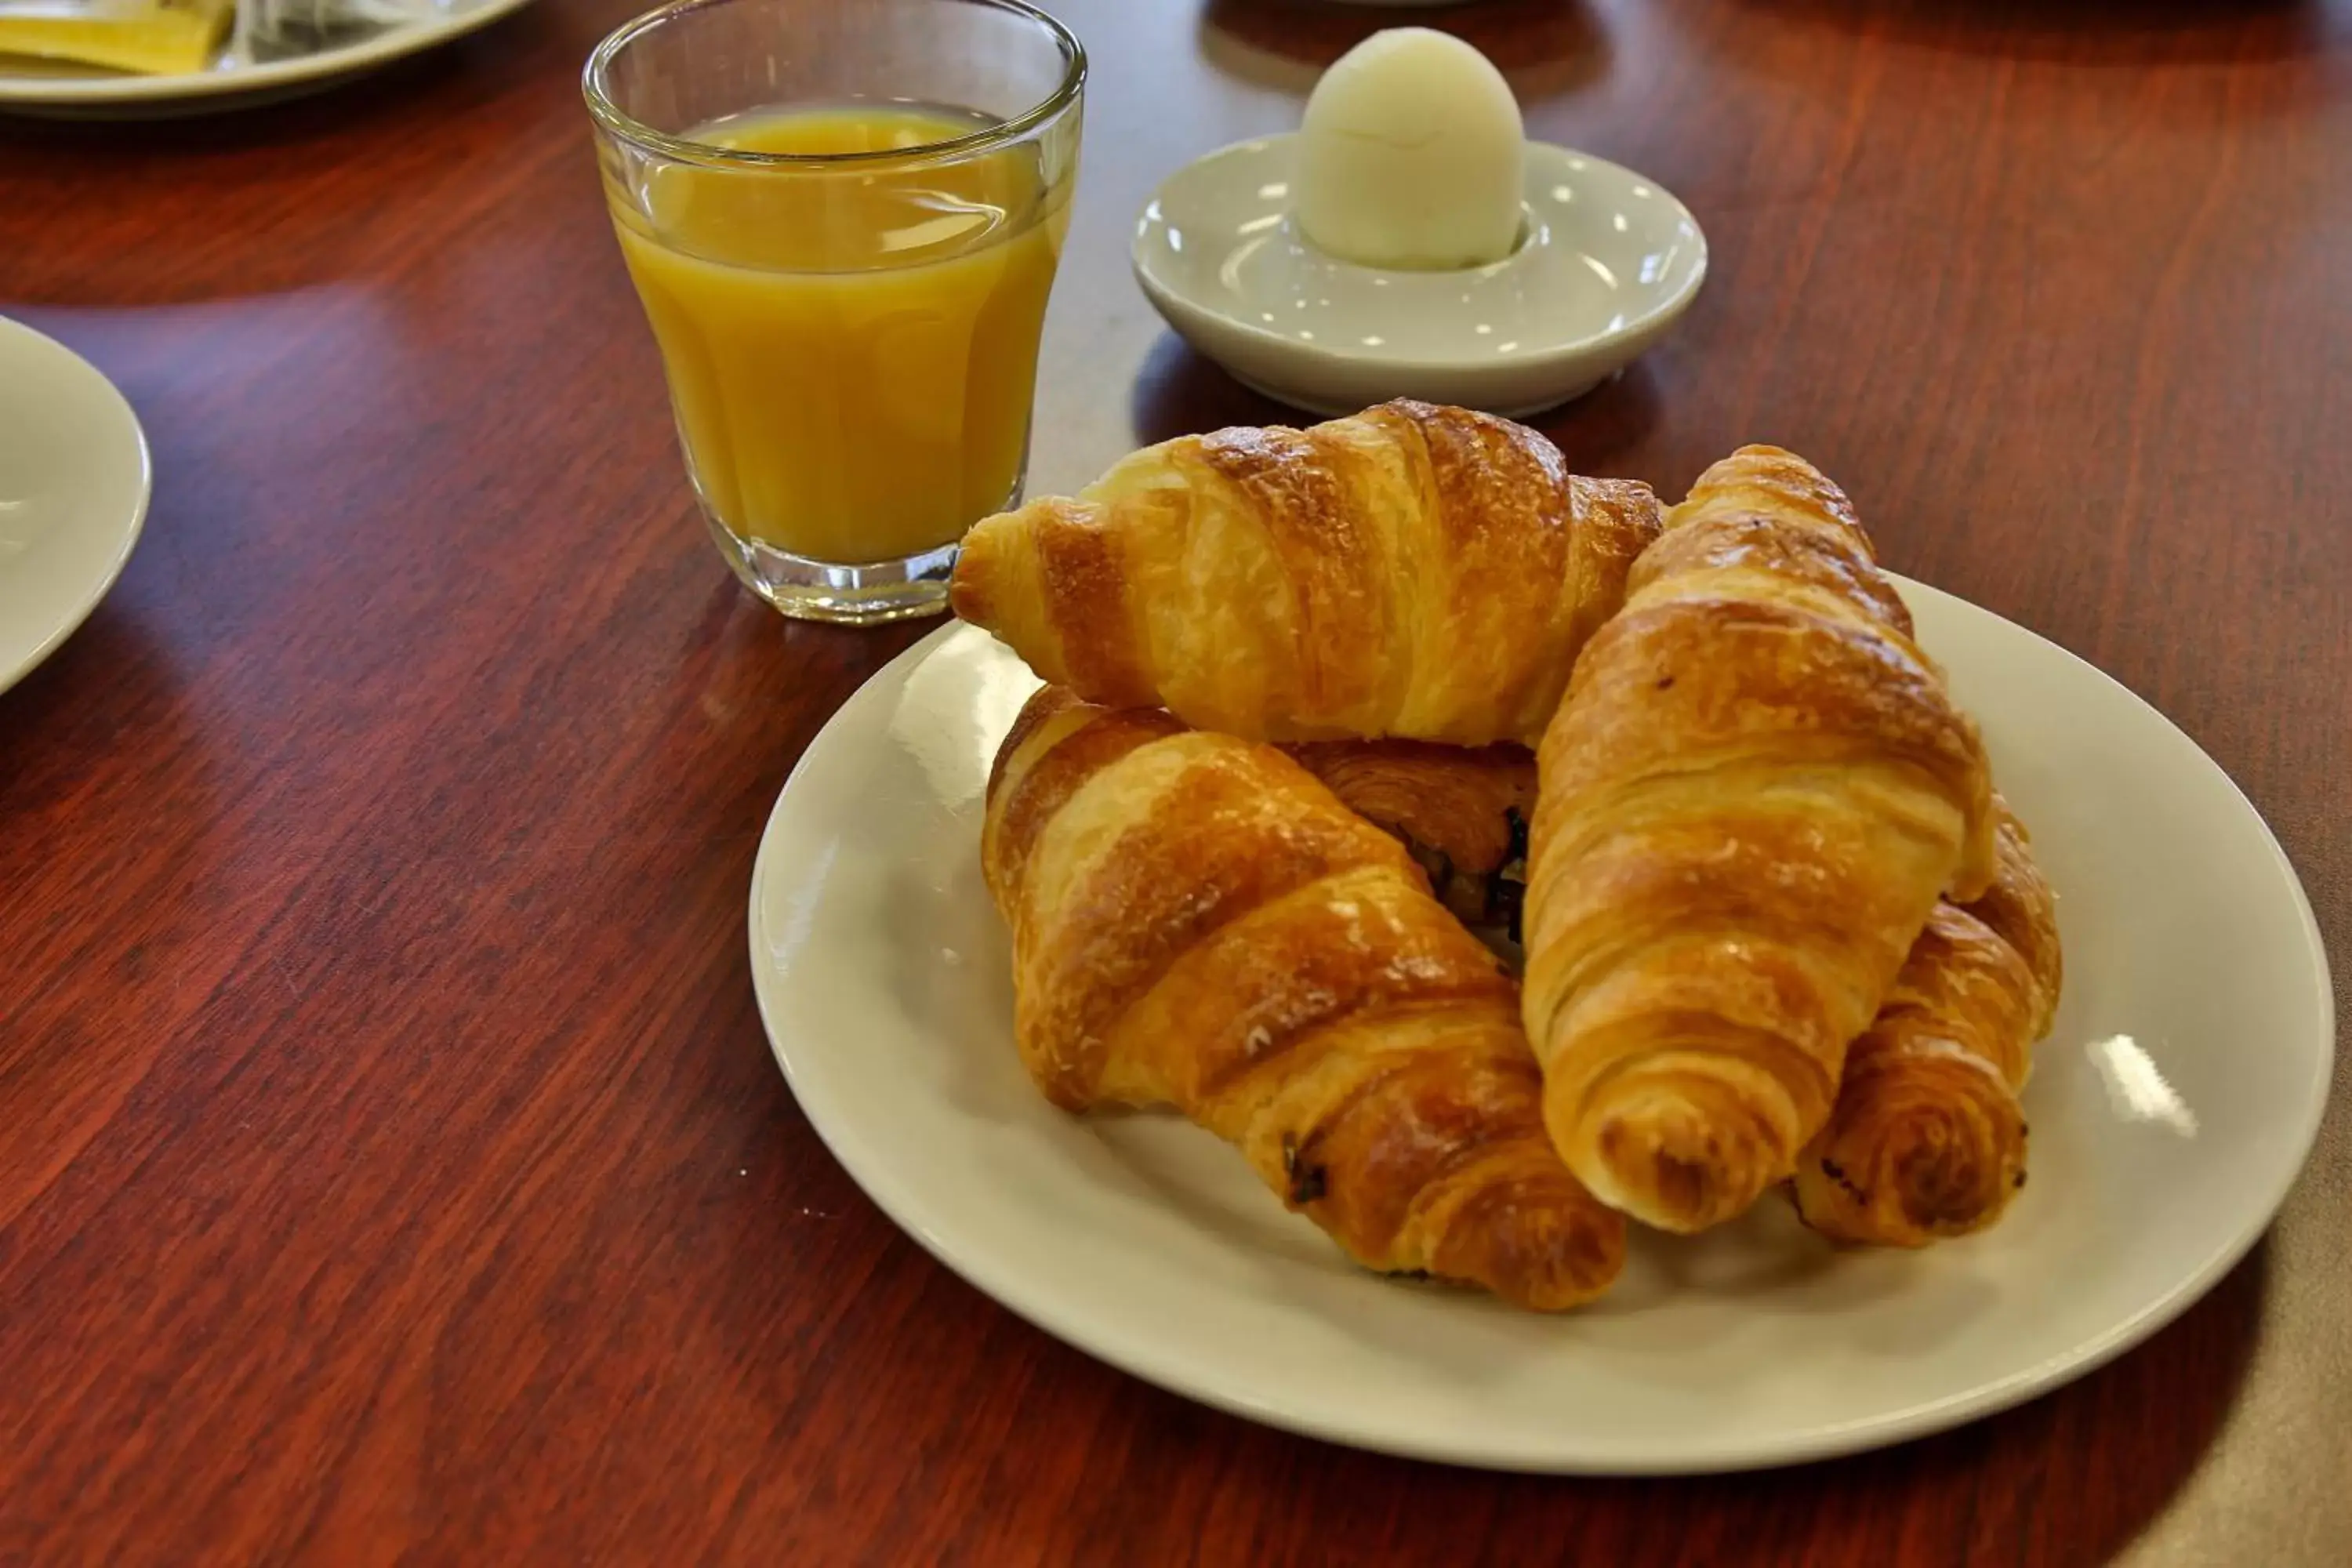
x=392, y=1166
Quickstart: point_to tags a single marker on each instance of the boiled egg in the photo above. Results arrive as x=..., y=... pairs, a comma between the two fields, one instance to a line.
x=1410, y=155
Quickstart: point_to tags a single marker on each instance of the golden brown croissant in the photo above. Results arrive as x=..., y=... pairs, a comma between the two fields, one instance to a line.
x=1461, y=811
x=2021, y=909
x=1197, y=922
x=1927, y=1138
x=1411, y=571
x=1750, y=799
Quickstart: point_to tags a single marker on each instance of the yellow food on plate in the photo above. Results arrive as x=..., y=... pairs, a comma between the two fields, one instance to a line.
x=1198, y=924
x=1411, y=571
x=1776, y=922
x=156, y=38
x=1928, y=1139
x=1749, y=803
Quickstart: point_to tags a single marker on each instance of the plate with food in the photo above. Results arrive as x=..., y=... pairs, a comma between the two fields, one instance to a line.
x=131, y=59
x=74, y=483
x=1372, y=931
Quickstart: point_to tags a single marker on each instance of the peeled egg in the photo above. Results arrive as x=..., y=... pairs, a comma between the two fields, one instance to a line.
x=1410, y=155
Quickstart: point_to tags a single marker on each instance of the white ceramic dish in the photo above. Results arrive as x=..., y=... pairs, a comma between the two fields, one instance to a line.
x=1609, y=263
x=882, y=975
x=62, y=89
x=74, y=482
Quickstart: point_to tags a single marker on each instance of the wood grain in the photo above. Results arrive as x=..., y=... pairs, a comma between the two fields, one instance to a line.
x=392, y=1168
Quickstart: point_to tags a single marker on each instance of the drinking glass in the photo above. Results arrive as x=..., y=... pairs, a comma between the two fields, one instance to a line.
x=843, y=217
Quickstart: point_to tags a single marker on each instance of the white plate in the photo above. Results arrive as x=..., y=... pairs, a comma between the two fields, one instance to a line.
x=1608, y=262
x=62, y=88
x=882, y=975
x=73, y=492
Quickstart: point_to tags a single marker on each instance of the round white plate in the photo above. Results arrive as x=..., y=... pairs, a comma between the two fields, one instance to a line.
x=882, y=975
x=1608, y=262
x=74, y=481
x=62, y=88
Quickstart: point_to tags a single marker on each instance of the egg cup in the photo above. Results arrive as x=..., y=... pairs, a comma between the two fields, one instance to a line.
x=1606, y=262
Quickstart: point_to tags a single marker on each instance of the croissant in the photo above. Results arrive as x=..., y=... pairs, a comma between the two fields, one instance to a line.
x=1750, y=801
x=1197, y=922
x=1462, y=812
x=1412, y=570
x=1927, y=1138
x=2021, y=910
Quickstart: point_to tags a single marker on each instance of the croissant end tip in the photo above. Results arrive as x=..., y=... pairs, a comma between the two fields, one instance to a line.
x=969, y=582
x=1682, y=1156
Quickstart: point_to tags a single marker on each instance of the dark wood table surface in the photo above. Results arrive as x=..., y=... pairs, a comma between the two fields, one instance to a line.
x=392, y=1165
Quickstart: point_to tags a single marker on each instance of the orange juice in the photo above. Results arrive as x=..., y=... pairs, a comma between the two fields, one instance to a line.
x=852, y=348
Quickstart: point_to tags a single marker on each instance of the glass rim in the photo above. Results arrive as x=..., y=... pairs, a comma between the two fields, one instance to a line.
x=614, y=119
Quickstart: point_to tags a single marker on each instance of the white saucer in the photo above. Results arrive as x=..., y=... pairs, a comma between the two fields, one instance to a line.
x=61, y=88
x=2172, y=1106
x=1609, y=262
x=74, y=481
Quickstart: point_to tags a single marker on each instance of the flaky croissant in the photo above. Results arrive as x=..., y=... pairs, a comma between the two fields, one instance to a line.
x=1927, y=1138
x=1197, y=922
x=1461, y=811
x=1750, y=799
x=1412, y=570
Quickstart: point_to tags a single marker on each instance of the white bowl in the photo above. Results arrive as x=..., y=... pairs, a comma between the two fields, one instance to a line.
x=2173, y=1104
x=1608, y=261
x=74, y=483
x=68, y=89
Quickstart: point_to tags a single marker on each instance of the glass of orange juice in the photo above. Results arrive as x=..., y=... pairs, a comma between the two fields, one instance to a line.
x=843, y=217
